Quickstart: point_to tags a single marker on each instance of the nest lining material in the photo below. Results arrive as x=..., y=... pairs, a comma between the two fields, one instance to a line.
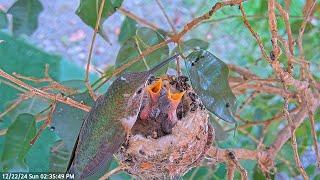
x=151, y=153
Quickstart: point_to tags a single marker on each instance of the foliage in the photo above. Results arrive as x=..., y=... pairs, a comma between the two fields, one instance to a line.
x=191, y=45
x=25, y=16
x=3, y=20
x=88, y=10
x=17, y=143
x=68, y=129
x=208, y=75
x=16, y=62
x=128, y=29
x=143, y=39
x=60, y=70
x=209, y=78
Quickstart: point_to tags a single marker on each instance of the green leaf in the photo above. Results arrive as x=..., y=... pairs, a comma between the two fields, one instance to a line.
x=88, y=10
x=39, y=154
x=191, y=44
x=120, y=175
x=221, y=171
x=127, y=52
x=143, y=39
x=67, y=120
x=257, y=174
x=310, y=170
x=219, y=132
x=3, y=20
x=17, y=143
x=25, y=15
x=59, y=157
x=196, y=173
x=209, y=78
x=109, y=71
x=68, y=70
x=66, y=123
x=31, y=106
x=30, y=61
x=296, y=25
x=256, y=7
x=317, y=176
x=128, y=29
x=74, y=86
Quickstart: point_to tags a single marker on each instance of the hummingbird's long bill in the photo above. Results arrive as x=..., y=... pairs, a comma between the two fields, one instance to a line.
x=159, y=66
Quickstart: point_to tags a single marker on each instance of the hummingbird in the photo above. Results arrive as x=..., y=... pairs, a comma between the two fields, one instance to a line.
x=108, y=124
x=162, y=105
x=169, y=105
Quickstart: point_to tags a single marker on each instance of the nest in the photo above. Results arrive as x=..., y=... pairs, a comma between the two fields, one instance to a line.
x=152, y=153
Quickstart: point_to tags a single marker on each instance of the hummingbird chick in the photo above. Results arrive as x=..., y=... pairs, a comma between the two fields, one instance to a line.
x=168, y=110
x=108, y=124
x=153, y=91
x=161, y=108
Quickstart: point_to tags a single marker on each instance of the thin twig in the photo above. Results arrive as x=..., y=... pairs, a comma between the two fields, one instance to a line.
x=138, y=19
x=308, y=11
x=46, y=123
x=275, y=118
x=96, y=30
x=178, y=68
x=46, y=78
x=290, y=40
x=235, y=161
x=134, y=60
x=14, y=105
x=196, y=21
x=33, y=79
x=175, y=38
x=9, y=83
x=113, y=171
x=251, y=97
x=248, y=16
x=136, y=39
x=313, y=126
x=274, y=57
x=166, y=16
x=294, y=142
x=265, y=129
x=255, y=35
x=38, y=92
x=230, y=171
x=285, y=76
x=276, y=51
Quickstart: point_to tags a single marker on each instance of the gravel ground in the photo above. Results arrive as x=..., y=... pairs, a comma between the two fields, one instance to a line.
x=62, y=32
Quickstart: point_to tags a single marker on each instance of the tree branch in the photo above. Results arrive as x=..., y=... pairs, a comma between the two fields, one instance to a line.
x=44, y=94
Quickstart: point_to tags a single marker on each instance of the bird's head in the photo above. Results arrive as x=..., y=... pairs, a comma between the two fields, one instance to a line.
x=134, y=83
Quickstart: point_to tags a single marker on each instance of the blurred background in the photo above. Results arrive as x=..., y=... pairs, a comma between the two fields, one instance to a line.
x=61, y=31
x=60, y=35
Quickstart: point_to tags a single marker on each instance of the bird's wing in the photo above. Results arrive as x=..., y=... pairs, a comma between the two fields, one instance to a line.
x=100, y=99
x=98, y=140
x=100, y=163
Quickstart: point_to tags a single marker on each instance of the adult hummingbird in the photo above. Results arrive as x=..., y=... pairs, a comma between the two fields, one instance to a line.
x=108, y=124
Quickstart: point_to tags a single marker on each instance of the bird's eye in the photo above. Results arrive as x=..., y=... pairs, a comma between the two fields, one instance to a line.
x=139, y=91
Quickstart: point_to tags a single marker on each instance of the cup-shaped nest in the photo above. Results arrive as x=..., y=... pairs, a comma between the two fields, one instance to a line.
x=151, y=153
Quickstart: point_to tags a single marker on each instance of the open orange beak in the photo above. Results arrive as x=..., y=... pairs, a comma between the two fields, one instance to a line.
x=154, y=90
x=154, y=93
x=175, y=99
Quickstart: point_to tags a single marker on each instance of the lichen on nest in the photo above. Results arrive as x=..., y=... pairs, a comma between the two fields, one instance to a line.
x=152, y=151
